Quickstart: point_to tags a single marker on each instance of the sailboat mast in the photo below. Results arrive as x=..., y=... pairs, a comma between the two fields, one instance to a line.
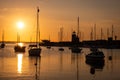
x=101, y=34
x=78, y=27
x=107, y=33
x=91, y=34
x=3, y=36
x=94, y=31
x=18, y=39
x=112, y=31
x=61, y=34
x=37, y=29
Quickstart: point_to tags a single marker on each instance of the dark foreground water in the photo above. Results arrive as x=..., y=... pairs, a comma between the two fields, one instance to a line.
x=56, y=65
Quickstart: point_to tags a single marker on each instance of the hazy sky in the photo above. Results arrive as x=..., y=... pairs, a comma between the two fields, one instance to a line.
x=58, y=13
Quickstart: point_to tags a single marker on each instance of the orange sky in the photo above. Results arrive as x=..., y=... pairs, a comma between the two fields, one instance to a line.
x=55, y=14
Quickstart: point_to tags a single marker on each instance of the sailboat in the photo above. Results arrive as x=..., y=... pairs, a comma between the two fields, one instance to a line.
x=75, y=49
x=2, y=44
x=36, y=50
x=18, y=47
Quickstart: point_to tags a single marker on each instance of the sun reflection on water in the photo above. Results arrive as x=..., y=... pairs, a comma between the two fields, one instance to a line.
x=19, y=56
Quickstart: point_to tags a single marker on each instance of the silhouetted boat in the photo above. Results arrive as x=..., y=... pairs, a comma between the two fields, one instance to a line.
x=18, y=48
x=95, y=59
x=2, y=45
x=61, y=49
x=36, y=51
x=48, y=47
x=76, y=50
x=95, y=55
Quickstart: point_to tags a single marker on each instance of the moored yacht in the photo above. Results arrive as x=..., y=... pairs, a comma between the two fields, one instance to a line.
x=36, y=50
x=95, y=55
x=19, y=47
x=61, y=49
x=76, y=49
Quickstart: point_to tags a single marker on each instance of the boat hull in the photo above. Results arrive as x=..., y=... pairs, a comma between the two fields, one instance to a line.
x=2, y=45
x=61, y=49
x=76, y=50
x=35, y=52
x=48, y=47
x=19, y=49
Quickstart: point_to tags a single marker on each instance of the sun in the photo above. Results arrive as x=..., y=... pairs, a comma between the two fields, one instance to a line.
x=20, y=24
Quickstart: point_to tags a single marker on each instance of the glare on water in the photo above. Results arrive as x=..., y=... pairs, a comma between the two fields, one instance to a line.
x=19, y=56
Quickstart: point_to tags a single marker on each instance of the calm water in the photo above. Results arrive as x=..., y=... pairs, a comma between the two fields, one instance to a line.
x=57, y=65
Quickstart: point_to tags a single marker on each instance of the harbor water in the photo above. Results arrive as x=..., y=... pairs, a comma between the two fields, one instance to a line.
x=57, y=65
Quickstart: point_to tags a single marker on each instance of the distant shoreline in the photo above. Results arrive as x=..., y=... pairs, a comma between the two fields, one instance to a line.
x=98, y=43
